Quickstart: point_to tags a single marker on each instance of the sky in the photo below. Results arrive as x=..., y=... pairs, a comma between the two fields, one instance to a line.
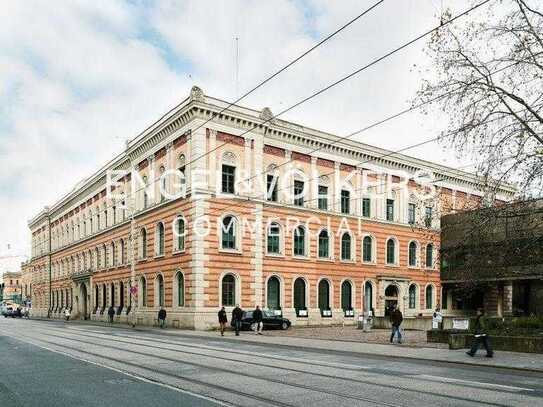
x=79, y=78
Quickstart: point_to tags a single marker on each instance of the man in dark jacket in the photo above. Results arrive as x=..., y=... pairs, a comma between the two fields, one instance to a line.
x=481, y=337
x=222, y=320
x=396, y=319
x=257, y=320
x=237, y=316
x=111, y=314
x=162, y=317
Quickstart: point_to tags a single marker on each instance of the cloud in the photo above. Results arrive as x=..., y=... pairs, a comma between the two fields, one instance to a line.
x=77, y=80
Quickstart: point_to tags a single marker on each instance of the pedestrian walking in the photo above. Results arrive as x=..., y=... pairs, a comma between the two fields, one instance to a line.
x=481, y=335
x=237, y=316
x=396, y=319
x=257, y=320
x=162, y=317
x=67, y=314
x=222, y=320
x=111, y=314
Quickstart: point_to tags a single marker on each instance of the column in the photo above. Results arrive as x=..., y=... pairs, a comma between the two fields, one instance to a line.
x=151, y=191
x=259, y=182
x=313, y=184
x=170, y=165
x=287, y=184
x=336, y=189
x=212, y=161
x=359, y=191
x=257, y=284
x=246, y=178
x=198, y=165
x=508, y=298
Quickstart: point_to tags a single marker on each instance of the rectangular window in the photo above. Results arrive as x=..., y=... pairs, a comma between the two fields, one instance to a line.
x=271, y=183
x=366, y=207
x=228, y=179
x=273, y=239
x=323, y=198
x=345, y=201
x=411, y=214
x=428, y=217
x=390, y=210
x=298, y=193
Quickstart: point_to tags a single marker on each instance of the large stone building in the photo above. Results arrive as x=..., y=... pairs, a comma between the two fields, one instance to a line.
x=346, y=226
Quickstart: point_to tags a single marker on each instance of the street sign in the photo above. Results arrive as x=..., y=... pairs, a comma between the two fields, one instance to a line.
x=461, y=324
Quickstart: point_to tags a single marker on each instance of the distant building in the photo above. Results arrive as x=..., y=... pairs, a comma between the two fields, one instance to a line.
x=10, y=286
x=493, y=258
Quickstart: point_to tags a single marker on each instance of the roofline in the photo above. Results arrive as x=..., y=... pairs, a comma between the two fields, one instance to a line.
x=196, y=95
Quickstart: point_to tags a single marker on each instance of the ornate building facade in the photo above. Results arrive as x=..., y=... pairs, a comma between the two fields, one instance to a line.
x=265, y=212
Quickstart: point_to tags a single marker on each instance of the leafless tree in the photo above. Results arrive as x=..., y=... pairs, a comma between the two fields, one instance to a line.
x=489, y=73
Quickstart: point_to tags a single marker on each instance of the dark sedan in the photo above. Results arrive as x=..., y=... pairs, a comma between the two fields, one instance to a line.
x=270, y=320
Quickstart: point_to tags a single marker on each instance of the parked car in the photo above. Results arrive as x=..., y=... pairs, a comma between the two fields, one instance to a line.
x=7, y=312
x=270, y=320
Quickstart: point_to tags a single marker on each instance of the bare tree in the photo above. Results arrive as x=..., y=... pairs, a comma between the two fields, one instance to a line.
x=489, y=73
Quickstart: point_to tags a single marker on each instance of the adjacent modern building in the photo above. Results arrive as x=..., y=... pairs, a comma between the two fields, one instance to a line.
x=493, y=258
x=257, y=211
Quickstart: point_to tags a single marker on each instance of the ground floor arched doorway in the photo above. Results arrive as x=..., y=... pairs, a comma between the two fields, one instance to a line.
x=391, y=298
x=83, y=302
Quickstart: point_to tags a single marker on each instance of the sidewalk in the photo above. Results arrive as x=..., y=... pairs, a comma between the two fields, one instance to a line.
x=507, y=360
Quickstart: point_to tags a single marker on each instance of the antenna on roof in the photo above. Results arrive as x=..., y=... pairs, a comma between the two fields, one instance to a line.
x=236, y=39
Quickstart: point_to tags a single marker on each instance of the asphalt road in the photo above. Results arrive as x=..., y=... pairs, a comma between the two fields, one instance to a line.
x=52, y=363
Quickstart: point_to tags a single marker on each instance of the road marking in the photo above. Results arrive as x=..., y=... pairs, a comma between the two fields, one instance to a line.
x=470, y=382
x=132, y=375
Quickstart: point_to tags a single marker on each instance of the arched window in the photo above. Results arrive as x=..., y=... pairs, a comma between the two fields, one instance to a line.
x=113, y=254
x=274, y=238
x=143, y=243
x=228, y=233
x=412, y=254
x=324, y=244
x=96, y=294
x=121, y=295
x=143, y=292
x=104, y=297
x=179, y=234
x=412, y=296
x=299, y=294
x=180, y=280
x=368, y=296
x=367, y=249
x=97, y=255
x=273, y=293
x=429, y=297
x=123, y=252
x=429, y=256
x=228, y=290
x=346, y=295
x=299, y=241
x=159, y=291
x=159, y=236
x=324, y=295
x=346, y=246
x=112, y=291
x=391, y=251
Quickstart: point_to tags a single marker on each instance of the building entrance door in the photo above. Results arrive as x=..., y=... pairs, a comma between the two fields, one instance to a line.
x=83, y=302
x=391, y=298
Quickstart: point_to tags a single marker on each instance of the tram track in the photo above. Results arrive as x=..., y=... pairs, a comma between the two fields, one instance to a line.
x=260, y=364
